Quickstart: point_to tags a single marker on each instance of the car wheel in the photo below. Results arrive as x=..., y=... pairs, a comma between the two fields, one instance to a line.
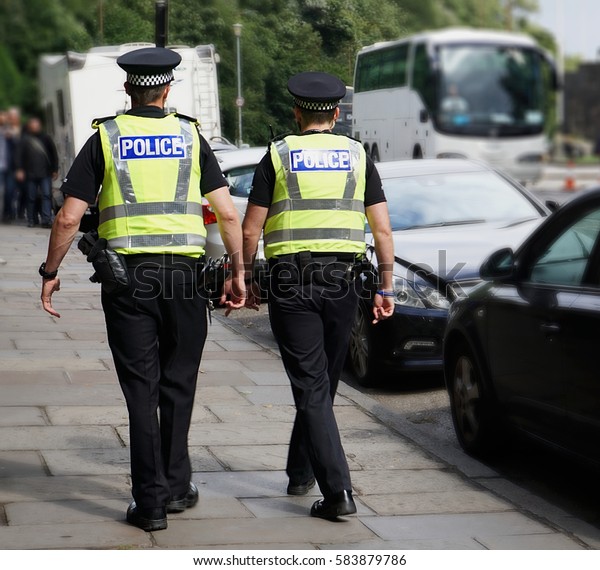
x=360, y=351
x=474, y=415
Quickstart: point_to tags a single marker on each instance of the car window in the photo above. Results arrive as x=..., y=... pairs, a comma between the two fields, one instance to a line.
x=240, y=180
x=453, y=198
x=565, y=260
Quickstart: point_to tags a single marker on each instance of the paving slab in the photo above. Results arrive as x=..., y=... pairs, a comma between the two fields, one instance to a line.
x=15, y=377
x=239, y=434
x=241, y=484
x=406, y=481
x=260, y=413
x=435, y=502
x=92, y=377
x=87, y=415
x=16, y=464
x=47, y=395
x=64, y=512
x=387, y=455
x=251, y=458
x=270, y=378
x=57, y=437
x=223, y=379
x=21, y=416
x=530, y=542
x=255, y=531
x=64, y=488
x=276, y=395
x=77, y=535
x=209, y=395
x=436, y=527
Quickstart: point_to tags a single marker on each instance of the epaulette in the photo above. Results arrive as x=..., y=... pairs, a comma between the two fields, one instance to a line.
x=279, y=138
x=186, y=117
x=97, y=122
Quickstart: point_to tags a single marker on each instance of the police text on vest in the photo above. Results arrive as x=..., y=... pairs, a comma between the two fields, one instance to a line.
x=151, y=146
x=320, y=160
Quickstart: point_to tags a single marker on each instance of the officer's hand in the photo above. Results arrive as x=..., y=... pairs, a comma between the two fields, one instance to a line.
x=253, y=298
x=49, y=286
x=383, y=308
x=233, y=295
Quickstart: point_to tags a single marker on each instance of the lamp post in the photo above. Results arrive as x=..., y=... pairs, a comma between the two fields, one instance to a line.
x=239, y=102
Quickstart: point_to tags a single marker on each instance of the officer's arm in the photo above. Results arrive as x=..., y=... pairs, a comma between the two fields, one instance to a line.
x=379, y=221
x=229, y=224
x=231, y=232
x=254, y=220
x=63, y=232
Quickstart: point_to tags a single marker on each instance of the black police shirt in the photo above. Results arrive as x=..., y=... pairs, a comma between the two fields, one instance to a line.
x=263, y=182
x=85, y=176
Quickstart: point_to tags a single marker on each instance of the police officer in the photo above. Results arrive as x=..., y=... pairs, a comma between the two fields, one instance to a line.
x=154, y=169
x=311, y=193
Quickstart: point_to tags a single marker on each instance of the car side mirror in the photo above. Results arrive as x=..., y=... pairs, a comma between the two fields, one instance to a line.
x=423, y=116
x=499, y=265
x=552, y=205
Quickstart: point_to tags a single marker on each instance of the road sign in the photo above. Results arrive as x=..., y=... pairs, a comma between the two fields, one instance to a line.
x=239, y=101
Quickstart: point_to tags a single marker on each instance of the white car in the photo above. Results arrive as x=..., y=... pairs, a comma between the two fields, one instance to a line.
x=238, y=167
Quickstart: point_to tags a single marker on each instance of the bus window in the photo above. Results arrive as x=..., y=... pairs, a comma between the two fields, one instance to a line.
x=423, y=77
x=382, y=69
x=61, y=107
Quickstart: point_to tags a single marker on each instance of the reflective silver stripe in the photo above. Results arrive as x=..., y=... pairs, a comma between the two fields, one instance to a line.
x=163, y=240
x=291, y=178
x=185, y=164
x=150, y=209
x=121, y=166
x=316, y=204
x=313, y=234
x=350, y=189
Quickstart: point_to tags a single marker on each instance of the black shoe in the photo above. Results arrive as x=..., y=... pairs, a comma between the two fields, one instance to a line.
x=300, y=488
x=47, y=225
x=147, y=519
x=335, y=506
x=182, y=502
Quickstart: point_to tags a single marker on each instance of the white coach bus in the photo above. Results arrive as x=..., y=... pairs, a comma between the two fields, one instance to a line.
x=455, y=93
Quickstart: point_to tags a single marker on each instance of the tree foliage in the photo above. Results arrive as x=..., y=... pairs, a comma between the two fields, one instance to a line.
x=279, y=38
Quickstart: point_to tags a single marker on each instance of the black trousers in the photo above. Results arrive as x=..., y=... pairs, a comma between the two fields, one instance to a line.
x=156, y=333
x=312, y=325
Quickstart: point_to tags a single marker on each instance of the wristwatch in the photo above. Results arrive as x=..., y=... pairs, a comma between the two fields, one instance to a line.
x=45, y=274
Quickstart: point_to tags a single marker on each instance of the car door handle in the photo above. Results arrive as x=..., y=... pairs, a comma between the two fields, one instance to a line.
x=550, y=328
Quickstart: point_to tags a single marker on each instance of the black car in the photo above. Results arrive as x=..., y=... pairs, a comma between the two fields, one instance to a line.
x=520, y=349
x=447, y=216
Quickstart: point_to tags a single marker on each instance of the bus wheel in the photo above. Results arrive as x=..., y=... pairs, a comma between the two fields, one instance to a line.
x=417, y=152
x=375, y=154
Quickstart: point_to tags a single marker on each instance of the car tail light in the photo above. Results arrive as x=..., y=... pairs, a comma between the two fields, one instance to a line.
x=208, y=214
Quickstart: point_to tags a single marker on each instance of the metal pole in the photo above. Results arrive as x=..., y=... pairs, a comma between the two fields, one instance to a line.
x=237, y=29
x=160, y=23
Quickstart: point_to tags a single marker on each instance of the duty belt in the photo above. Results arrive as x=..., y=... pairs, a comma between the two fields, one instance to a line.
x=305, y=268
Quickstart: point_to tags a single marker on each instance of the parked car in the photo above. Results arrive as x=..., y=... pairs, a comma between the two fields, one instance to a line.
x=447, y=215
x=238, y=167
x=520, y=349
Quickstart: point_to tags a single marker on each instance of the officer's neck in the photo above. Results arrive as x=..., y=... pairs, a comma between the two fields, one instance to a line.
x=316, y=128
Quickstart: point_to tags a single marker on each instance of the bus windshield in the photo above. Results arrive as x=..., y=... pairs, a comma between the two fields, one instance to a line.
x=490, y=90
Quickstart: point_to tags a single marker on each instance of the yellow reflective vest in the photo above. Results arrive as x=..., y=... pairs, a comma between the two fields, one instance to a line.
x=150, y=200
x=319, y=195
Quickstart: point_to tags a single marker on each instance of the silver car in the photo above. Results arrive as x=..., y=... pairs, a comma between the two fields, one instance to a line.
x=238, y=167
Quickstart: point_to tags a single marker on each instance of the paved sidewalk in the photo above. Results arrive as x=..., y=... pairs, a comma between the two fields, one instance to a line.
x=64, y=460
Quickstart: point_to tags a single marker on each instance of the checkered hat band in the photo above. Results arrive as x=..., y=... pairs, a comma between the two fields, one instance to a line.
x=150, y=80
x=316, y=106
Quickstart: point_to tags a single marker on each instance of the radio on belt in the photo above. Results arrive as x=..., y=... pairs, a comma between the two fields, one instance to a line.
x=154, y=146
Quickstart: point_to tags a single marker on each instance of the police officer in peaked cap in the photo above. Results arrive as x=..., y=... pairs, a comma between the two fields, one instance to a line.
x=154, y=168
x=312, y=194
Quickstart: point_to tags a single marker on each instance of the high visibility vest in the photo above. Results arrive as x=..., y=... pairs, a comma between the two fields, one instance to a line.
x=150, y=200
x=319, y=196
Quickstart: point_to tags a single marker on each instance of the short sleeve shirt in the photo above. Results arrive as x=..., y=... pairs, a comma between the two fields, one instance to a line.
x=87, y=171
